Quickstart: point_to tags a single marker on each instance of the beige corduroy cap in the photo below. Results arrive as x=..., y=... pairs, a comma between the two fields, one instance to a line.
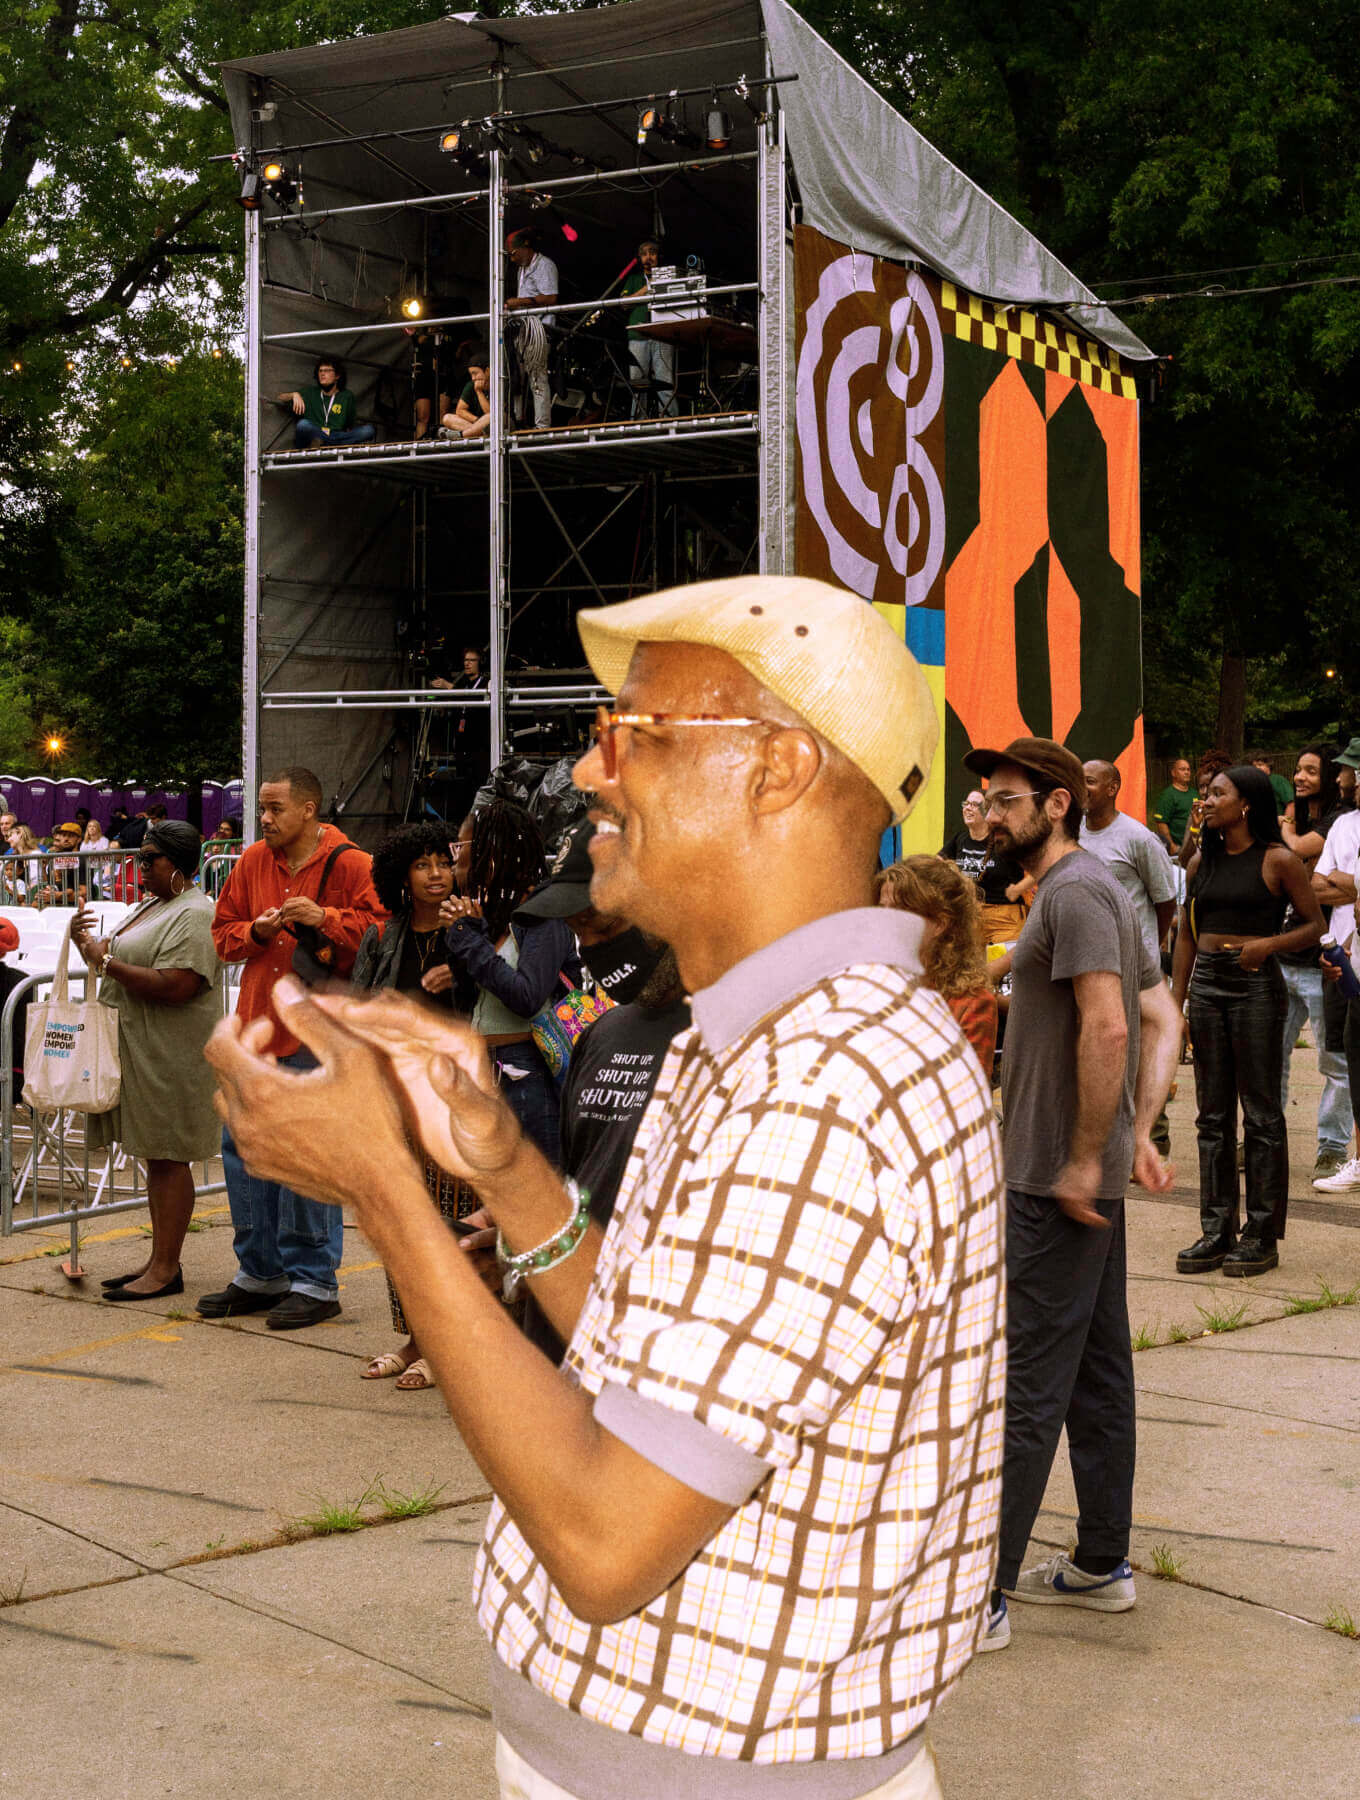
x=824, y=652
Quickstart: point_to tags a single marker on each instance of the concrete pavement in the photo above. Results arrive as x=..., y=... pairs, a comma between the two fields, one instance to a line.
x=169, y=1626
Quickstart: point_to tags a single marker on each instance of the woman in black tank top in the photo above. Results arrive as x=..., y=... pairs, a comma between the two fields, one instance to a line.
x=1238, y=886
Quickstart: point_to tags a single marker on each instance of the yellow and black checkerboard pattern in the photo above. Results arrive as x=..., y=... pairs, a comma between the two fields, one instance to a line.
x=1017, y=332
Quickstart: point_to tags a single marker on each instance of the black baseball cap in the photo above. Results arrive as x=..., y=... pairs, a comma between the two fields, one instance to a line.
x=567, y=889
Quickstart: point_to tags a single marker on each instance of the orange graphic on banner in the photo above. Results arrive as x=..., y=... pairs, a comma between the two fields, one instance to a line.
x=980, y=648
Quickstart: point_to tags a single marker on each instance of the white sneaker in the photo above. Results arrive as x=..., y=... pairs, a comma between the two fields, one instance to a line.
x=1059, y=1582
x=998, y=1633
x=1345, y=1181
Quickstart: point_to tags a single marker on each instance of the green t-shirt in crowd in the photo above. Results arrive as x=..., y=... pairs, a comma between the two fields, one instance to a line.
x=1172, y=809
x=1284, y=792
x=333, y=412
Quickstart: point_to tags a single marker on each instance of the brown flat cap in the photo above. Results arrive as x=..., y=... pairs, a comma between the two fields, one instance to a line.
x=1052, y=762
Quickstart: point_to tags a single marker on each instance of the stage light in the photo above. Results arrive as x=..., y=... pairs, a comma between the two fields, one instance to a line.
x=217, y=355
x=55, y=746
x=281, y=187
x=451, y=142
x=413, y=307
x=569, y=232
x=1330, y=674
x=718, y=136
x=250, y=191
x=70, y=367
x=127, y=362
x=649, y=117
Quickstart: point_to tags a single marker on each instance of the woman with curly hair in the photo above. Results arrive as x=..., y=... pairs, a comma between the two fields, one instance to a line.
x=413, y=874
x=953, y=956
x=516, y=965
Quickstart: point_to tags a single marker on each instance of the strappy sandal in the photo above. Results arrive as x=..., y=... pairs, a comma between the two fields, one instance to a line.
x=391, y=1362
x=423, y=1377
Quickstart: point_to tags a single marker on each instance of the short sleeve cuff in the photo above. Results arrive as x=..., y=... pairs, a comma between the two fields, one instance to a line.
x=678, y=1444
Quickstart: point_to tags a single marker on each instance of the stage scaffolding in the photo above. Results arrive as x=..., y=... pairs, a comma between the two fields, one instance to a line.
x=335, y=537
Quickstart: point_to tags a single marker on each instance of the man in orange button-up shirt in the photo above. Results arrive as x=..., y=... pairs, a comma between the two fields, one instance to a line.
x=288, y=1247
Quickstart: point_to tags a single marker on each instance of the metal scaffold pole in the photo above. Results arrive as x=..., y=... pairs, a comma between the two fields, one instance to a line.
x=250, y=655
x=499, y=499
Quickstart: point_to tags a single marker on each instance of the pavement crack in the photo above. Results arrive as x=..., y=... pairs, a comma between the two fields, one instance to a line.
x=1255, y=1411
x=294, y=1624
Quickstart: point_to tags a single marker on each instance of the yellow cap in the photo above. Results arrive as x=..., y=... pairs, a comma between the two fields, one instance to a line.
x=823, y=651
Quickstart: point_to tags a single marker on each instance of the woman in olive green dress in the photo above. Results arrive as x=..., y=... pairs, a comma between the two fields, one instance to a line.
x=158, y=970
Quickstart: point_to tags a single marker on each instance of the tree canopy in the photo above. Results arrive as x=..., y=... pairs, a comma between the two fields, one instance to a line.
x=1159, y=147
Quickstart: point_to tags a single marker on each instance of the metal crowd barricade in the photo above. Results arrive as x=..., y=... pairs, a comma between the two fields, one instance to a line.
x=48, y=1174
x=43, y=878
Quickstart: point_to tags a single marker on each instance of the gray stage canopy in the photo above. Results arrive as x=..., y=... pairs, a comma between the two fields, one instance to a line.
x=866, y=177
x=333, y=556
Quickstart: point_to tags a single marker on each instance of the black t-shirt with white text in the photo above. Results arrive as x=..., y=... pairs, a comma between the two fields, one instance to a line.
x=614, y=1066
x=993, y=874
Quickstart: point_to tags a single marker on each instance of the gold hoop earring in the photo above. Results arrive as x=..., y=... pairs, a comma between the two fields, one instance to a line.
x=178, y=876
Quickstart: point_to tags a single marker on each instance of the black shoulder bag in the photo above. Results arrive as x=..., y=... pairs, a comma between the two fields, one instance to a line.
x=315, y=958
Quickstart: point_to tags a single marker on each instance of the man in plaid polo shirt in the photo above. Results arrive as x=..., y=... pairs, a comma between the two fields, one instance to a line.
x=744, y=1547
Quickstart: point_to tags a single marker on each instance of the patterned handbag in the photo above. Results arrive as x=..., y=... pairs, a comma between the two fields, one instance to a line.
x=558, y=1023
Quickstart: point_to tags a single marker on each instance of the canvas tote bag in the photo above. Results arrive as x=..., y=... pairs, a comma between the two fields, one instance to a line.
x=71, y=1050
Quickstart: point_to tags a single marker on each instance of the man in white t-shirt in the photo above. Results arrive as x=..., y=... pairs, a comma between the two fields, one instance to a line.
x=1334, y=878
x=537, y=286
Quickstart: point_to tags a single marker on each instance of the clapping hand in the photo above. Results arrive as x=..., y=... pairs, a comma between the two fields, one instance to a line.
x=444, y=1076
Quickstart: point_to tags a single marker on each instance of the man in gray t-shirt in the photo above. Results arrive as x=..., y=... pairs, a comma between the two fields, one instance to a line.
x=1092, y=1039
x=1133, y=855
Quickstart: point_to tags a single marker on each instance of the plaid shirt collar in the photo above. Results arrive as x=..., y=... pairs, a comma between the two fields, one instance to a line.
x=777, y=973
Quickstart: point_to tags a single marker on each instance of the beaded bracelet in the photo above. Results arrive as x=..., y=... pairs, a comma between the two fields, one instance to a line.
x=547, y=1255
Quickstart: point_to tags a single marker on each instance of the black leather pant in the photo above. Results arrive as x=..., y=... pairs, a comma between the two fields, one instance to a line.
x=1236, y=1020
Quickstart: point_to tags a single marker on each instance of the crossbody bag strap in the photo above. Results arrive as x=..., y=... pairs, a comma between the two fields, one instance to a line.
x=338, y=851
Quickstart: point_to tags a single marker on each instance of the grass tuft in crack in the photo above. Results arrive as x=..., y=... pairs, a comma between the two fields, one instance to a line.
x=1325, y=1298
x=1145, y=1338
x=1166, y=1563
x=414, y=1505
x=1177, y=1334
x=1340, y=1621
x=331, y=1517
x=1222, y=1318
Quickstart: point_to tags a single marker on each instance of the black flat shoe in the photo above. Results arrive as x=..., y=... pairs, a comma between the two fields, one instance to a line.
x=295, y=1311
x=233, y=1301
x=117, y=1281
x=171, y=1287
x=1251, y=1257
x=1208, y=1253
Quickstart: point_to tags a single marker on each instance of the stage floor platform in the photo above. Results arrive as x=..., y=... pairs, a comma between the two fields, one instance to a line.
x=701, y=444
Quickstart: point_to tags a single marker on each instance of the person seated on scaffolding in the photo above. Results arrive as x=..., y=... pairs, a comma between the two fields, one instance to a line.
x=472, y=415
x=325, y=410
x=537, y=286
x=651, y=364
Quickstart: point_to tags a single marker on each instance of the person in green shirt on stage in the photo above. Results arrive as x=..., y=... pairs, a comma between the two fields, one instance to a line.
x=1171, y=808
x=651, y=364
x=325, y=410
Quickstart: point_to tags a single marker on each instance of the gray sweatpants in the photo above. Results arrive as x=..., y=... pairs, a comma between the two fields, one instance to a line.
x=1070, y=1363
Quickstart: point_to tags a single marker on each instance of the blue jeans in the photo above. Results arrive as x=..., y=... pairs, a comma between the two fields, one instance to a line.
x=652, y=373
x=306, y=435
x=533, y=1097
x=284, y=1242
x=1304, y=987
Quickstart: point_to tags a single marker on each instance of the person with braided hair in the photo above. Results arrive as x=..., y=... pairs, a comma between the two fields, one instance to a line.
x=413, y=874
x=517, y=966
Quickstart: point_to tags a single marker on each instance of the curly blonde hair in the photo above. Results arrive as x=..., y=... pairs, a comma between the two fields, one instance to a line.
x=955, y=961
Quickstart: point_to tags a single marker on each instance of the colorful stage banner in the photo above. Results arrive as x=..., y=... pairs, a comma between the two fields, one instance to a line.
x=972, y=471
